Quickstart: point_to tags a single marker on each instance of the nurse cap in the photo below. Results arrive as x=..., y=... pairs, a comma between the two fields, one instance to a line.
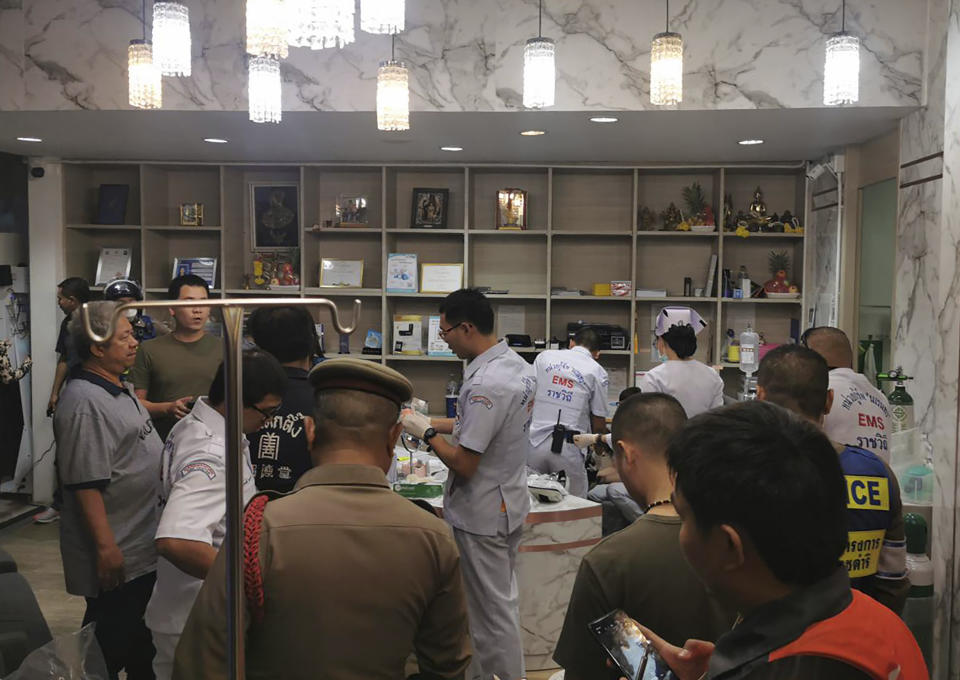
x=679, y=316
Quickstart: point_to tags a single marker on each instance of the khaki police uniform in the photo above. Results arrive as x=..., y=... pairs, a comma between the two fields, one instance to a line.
x=487, y=511
x=355, y=577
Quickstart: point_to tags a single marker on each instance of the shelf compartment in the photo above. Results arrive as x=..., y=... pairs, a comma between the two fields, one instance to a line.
x=657, y=189
x=584, y=197
x=105, y=227
x=402, y=181
x=591, y=298
x=509, y=233
x=772, y=321
x=584, y=310
x=351, y=246
x=763, y=301
x=81, y=190
x=732, y=236
x=165, y=187
x=426, y=232
x=783, y=189
x=323, y=186
x=342, y=292
x=503, y=263
x=82, y=250
x=596, y=233
x=429, y=376
x=486, y=182
x=371, y=311
x=676, y=234
x=534, y=313
x=676, y=298
x=162, y=247
x=755, y=254
x=665, y=265
x=243, y=292
x=578, y=267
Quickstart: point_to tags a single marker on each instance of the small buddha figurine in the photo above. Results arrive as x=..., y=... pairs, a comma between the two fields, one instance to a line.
x=758, y=208
x=729, y=222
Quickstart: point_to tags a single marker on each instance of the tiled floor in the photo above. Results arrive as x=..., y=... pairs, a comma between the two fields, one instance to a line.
x=36, y=549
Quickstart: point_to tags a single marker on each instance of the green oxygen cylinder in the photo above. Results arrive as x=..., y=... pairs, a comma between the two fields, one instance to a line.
x=918, y=610
x=901, y=403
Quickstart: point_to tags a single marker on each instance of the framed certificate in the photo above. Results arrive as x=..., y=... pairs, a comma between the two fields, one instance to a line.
x=114, y=263
x=402, y=273
x=441, y=278
x=341, y=273
x=204, y=267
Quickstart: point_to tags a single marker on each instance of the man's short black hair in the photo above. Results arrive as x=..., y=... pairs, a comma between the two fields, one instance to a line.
x=262, y=375
x=629, y=392
x=587, y=338
x=795, y=378
x=772, y=476
x=468, y=305
x=75, y=287
x=173, y=292
x=288, y=333
x=648, y=420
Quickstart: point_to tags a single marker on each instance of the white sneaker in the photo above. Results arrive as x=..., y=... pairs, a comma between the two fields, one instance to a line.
x=47, y=516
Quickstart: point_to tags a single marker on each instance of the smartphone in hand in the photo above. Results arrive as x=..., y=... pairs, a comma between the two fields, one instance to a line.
x=629, y=648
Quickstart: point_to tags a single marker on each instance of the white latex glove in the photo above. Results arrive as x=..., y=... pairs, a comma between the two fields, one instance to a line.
x=582, y=441
x=415, y=423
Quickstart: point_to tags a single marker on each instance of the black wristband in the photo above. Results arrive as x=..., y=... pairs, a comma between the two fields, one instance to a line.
x=429, y=434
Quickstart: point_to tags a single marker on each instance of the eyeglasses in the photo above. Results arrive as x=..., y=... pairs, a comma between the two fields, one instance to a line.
x=266, y=414
x=444, y=331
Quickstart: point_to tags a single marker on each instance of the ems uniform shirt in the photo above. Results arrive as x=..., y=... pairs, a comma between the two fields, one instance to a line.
x=571, y=384
x=695, y=385
x=279, y=449
x=860, y=415
x=493, y=419
x=169, y=369
x=106, y=441
x=193, y=499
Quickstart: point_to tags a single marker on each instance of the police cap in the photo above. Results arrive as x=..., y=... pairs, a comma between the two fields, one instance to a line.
x=349, y=373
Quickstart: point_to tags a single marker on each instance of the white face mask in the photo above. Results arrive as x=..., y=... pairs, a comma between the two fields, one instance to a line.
x=131, y=313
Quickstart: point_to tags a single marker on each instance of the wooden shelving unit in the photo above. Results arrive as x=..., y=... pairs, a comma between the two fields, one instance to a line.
x=582, y=229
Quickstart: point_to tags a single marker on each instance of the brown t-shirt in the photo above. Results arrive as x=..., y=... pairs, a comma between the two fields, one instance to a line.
x=169, y=369
x=640, y=570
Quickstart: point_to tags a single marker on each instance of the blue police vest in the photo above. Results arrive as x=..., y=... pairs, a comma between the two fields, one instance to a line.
x=869, y=497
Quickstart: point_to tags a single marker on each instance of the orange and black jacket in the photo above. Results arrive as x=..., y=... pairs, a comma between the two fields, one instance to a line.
x=825, y=631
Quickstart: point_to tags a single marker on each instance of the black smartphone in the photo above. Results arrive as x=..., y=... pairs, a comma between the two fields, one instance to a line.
x=629, y=648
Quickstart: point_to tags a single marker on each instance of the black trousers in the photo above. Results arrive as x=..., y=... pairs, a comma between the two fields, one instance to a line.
x=123, y=636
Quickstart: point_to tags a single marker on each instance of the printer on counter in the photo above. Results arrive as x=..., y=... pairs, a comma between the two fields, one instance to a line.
x=611, y=335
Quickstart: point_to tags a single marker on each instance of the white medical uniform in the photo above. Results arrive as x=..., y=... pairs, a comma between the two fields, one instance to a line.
x=193, y=498
x=571, y=384
x=860, y=415
x=695, y=385
x=487, y=510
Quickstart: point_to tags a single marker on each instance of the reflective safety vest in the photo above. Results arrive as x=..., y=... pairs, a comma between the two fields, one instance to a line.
x=869, y=492
x=865, y=635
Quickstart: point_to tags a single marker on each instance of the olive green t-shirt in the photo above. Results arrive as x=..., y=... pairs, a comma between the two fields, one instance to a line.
x=640, y=570
x=169, y=369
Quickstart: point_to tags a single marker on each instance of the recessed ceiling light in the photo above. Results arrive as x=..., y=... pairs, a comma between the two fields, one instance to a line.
x=29, y=139
x=451, y=148
x=532, y=133
x=604, y=119
x=749, y=142
x=214, y=140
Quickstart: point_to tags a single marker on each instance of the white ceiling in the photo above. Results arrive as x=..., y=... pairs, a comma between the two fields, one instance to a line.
x=639, y=136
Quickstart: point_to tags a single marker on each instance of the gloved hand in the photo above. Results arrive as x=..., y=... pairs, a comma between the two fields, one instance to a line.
x=414, y=423
x=582, y=441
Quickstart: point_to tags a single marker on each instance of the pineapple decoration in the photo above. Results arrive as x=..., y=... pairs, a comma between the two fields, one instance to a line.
x=699, y=213
x=779, y=264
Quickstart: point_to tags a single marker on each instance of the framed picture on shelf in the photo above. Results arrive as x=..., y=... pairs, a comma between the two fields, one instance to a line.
x=441, y=278
x=114, y=263
x=112, y=203
x=274, y=211
x=352, y=211
x=274, y=270
x=402, y=273
x=191, y=214
x=429, y=208
x=336, y=273
x=511, y=209
x=204, y=267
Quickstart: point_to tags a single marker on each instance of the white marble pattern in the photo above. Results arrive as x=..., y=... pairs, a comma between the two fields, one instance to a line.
x=823, y=227
x=11, y=55
x=466, y=55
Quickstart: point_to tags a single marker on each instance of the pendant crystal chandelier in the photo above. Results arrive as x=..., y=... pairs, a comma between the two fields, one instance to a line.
x=841, y=67
x=393, y=93
x=267, y=28
x=171, y=38
x=143, y=76
x=539, y=69
x=319, y=24
x=666, y=67
x=382, y=16
x=265, y=102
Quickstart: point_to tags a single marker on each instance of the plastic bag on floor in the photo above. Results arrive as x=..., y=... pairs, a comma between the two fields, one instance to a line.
x=75, y=656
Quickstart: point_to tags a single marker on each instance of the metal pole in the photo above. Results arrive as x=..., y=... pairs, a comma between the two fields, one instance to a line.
x=233, y=377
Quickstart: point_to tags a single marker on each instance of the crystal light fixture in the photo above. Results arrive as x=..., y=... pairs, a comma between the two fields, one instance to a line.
x=393, y=93
x=382, y=16
x=264, y=93
x=539, y=69
x=841, y=67
x=319, y=24
x=666, y=67
x=267, y=28
x=171, y=38
x=143, y=76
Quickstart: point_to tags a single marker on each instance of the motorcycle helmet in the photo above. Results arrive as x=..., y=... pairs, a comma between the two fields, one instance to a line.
x=122, y=288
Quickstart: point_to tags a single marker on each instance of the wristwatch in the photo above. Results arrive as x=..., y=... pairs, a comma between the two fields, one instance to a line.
x=428, y=434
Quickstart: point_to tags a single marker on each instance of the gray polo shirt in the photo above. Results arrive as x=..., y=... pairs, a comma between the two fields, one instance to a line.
x=106, y=441
x=493, y=417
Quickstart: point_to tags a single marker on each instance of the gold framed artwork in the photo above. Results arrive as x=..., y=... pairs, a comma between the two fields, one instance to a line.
x=335, y=273
x=441, y=277
x=191, y=214
x=511, y=209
